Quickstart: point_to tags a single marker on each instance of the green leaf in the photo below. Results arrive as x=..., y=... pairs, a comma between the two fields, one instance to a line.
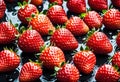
x=50, y=32
x=19, y=4
x=51, y=4
x=33, y=15
x=24, y=3
x=16, y=25
x=81, y=48
x=87, y=48
x=116, y=67
x=42, y=48
x=57, y=68
x=104, y=11
x=44, y=12
x=28, y=19
x=82, y=15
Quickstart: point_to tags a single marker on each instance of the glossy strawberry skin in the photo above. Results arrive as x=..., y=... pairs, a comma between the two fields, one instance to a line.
x=51, y=57
x=85, y=61
x=64, y=39
x=116, y=59
x=9, y=61
x=118, y=40
x=59, y=2
x=2, y=8
x=30, y=72
x=42, y=24
x=68, y=73
x=93, y=20
x=35, y=2
x=107, y=73
x=57, y=14
x=116, y=3
x=77, y=26
x=98, y=5
x=7, y=33
x=99, y=43
x=111, y=19
x=30, y=41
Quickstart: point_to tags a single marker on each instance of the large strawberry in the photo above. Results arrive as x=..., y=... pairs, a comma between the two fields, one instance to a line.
x=116, y=59
x=107, y=73
x=2, y=8
x=98, y=5
x=116, y=3
x=35, y=2
x=51, y=57
x=30, y=41
x=68, y=73
x=42, y=24
x=57, y=14
x=77, y=26
x=111, y=19
x=9, y=61
x=30, y=72
x=7, y=33
x=59, y=2
x=118, y=40
x=64, y=39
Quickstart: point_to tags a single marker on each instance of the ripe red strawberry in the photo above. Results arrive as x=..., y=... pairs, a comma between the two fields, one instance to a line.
x=2, y=8
x=7, y=33
x=59, y=2
x=77, y=26
x=35, y=2
x=118, y=40
x=30, y=72
x=51, y=57
x=57, y=15
x=42, y=24
x=116, y=3
x=99, y=43
x=116, y=59
x=64, y=39
x=76, y=6
x=98, y=5
x=85, y=61
x=111, y=19
x=26, y=11
x=9, y=61
x=93, y=20
x=68, y=73
x=30, y=41
x=107, y=73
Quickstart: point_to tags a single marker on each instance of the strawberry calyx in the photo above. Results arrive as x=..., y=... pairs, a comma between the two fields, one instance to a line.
x=52, y=4
x=36, y=62
x=42, y=48
x=85, y=48
x=82, y=15
x=22, y=5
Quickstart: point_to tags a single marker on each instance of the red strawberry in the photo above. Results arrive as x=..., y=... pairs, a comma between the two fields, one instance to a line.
x=77, y=26
x=76, y=6
x=111, y=19
x=2, y=8
x=35, y=2
x=51, y=57
x=118, y=40
x=42, y=24
x=57, y=15
x=9, y=61
x=30, y=72
x=98, y=5
x=99, y=43
x=7, y=33
x=30, y=41
x=116, y=3
x=64, y=39
x=93, y=20
x=107, y=73
x=26, y=11
x=68, y=73
x=116, y=59
x=59, y=2
x=85, y=61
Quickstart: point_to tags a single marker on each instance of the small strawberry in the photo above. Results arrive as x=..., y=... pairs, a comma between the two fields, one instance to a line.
x=118, y=40
x=30, y=41
x=77, y=26
x=64, y=39
x=9, y=61
x=2, y=8
x=107, y=73
x=98, y=5
x=116, y=3
x=42, y=24
x=57, y=15
x=68, y=73
x=51, y=57
x=111, y=19
x=116, y=59
x=30, y=72
x=35, y=2
x=59, y=2
x=76, y=6
x=7, y=33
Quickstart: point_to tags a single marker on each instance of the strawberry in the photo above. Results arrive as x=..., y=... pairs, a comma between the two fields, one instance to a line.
x=57, y=15
x=59, y=2
x=26, y=11
x=116, y=59
x=42, y=24
x=68, y=73
x=111, y=19
x=99, y=43
x=9, y=61
x=77, y=26
x=116, y=3
x=64, y=39
x=7, y=33
x=85, y=61
x=51, y=57
x=30, y=72
x=98, y=5
x=118, y=40
x=93, y=20
x=107, y=73
x=35, y=2
x=2, y=8
x=30, y=41
x=76, y=6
